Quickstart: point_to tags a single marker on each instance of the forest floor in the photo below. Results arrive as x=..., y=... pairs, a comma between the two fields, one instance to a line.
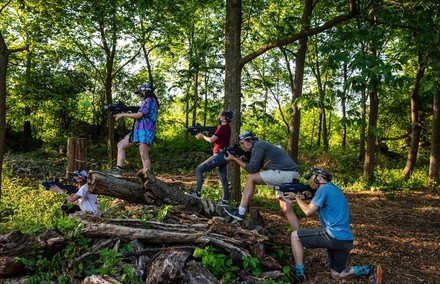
x=401, y=231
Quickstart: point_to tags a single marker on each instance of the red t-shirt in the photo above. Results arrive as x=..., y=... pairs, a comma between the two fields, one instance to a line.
x=223, y=133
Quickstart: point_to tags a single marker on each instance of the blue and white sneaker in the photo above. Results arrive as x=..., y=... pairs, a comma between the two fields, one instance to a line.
x=376, y=275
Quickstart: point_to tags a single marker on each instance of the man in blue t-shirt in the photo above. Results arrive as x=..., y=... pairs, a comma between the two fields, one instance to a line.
x=335, y=233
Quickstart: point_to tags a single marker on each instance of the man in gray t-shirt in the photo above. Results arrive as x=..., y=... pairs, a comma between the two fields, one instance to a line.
x=268, y=165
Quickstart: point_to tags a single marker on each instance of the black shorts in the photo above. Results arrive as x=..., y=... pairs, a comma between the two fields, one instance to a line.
x=338, y=250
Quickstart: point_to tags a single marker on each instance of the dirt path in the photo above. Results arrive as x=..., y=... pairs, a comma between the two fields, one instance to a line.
x=402, y=233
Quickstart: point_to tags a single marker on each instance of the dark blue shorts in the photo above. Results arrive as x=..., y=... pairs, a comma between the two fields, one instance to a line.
x=337, y=250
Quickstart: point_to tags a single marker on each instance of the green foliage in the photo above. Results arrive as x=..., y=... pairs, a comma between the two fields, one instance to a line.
x=162, y=214
x=218, y=264
x=21, y=203
x=108, y=261
x=251, y=264
x=103, y=262
x=390, y=180
x=110, y=264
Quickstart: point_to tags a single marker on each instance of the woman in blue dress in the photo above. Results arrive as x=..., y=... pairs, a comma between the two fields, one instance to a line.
x=143, y=130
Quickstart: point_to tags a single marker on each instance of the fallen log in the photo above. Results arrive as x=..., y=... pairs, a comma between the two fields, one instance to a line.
x=17, y=244
x=192, y=223
x=151, y=191
x=99, y=279
x=105, y=184
x=168, y=266
x=180, y=236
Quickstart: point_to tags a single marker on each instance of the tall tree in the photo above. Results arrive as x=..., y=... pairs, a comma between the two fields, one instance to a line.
x=5, y=53
x=416, y=126
x=295, y=117
x=434, y=158
x=233, y=69
x=235, y=62
x=370, y=154
x=99, y=31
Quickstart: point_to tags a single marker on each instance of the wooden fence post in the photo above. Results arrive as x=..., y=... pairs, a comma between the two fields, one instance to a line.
x=81, y=154
x=76, y=154
x=71, y=146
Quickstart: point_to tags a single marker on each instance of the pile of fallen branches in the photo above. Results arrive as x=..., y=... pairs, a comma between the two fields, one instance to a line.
x=162, y=252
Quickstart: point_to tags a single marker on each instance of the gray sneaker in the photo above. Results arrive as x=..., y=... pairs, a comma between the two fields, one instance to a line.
x=222, y=203
x=193, y=194
x=116, y=172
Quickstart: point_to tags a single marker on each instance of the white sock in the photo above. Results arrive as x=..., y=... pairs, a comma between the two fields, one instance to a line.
x=241, y=210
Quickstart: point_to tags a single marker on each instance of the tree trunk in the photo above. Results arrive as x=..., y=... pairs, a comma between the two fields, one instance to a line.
x=4, y=59
x=343, y=106
x=434, y=159
x=295, y=117
x=370, y=154
x=362, y=134
x=416, y=127
x=233, y=69
x=151, y=191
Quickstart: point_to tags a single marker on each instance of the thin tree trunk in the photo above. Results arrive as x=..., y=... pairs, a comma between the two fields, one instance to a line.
x=4, y=59
x=434, y=159
x=362, y=136
x=344, y=107
x=416, y=127
x=370, y=153
x=295, y=117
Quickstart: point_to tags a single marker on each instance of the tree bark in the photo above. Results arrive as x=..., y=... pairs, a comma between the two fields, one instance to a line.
x=370, y=154
x=233, y=84
x=151, y=191
x=295, y=117
x=416, y=127
x=5, y=52
x=434, y=159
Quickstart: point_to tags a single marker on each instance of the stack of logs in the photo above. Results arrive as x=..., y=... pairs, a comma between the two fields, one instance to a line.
x=163, y=250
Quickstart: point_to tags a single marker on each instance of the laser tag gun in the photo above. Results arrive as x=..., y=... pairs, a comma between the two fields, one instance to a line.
x=206, y=130
x=297, y=187
x=237, y=152
x=121, y=107
x=71, y=189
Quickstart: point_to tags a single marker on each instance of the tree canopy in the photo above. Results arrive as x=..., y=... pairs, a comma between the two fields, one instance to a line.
x=62, y=61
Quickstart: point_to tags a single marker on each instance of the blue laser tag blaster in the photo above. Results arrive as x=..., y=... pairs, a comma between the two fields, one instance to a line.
x=121, y=107
x=71, y=189
x=297, y=187
x=206, y=130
